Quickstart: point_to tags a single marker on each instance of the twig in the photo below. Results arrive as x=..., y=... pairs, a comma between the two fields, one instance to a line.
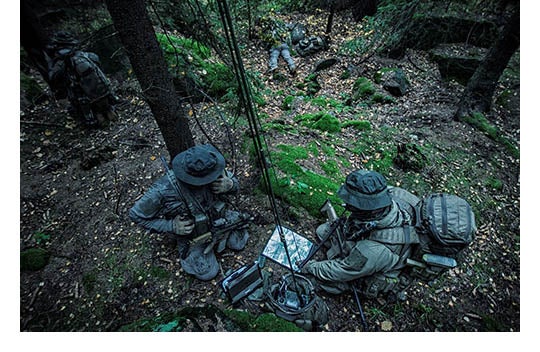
x=41, y=123
x=34, y=296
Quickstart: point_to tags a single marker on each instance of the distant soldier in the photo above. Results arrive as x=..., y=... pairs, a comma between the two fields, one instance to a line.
x=275, y=35
x=77, y=75
x=190, y=204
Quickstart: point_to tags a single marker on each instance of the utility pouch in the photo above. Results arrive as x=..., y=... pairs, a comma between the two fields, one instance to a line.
x=431, y=266
x=242, y=282
x=202, y=224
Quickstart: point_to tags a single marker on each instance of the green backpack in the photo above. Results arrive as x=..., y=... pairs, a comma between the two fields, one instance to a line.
x=443, y=226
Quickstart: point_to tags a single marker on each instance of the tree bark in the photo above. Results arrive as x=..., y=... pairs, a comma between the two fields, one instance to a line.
x=34, y=38
x=136, y=32
x=479, y=92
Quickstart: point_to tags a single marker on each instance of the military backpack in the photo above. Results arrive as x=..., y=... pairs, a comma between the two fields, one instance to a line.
x=442, y=226
x=89, y=76
x=311, y=45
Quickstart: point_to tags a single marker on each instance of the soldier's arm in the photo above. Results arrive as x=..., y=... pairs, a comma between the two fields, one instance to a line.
x=365, y=259
x=147, y=211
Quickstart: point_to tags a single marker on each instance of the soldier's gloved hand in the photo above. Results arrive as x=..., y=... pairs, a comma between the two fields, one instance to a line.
x=222, y=185
x=182, y=227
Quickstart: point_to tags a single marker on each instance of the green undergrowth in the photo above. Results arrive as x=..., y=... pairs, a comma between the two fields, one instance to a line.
x=211, y=318
x=190, y=59
x=304, y=176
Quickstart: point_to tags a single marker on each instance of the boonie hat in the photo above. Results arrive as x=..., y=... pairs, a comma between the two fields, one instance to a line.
x=365, y=190
x=199, y=165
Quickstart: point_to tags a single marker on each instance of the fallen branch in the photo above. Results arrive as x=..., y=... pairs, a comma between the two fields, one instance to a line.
x=25, y=122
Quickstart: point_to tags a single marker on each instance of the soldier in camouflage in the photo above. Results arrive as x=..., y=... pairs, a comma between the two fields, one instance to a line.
x=275, y=35
x=77, y=75
x=372, y=263
x=203, y=182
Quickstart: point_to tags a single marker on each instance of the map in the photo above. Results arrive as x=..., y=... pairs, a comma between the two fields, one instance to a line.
x=298, y=246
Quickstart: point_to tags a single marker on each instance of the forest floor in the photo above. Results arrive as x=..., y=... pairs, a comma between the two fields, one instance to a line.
x=104, y=272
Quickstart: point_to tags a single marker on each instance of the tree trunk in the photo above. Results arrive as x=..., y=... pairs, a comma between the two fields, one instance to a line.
x=136, y=32
x=479, y=92
x=34, y=38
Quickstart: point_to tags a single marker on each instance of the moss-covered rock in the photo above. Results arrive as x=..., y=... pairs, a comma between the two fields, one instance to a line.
x=34, y=259
x=300, y=187
x=321, y=121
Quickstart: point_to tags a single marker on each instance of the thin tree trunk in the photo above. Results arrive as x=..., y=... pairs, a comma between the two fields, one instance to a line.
x=479, y=92
x=137, y=34
x=34, y=39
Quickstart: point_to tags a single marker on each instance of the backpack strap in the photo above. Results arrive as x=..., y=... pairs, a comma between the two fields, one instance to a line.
x=396, y=235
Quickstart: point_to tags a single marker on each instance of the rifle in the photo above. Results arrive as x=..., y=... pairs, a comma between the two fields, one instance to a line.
x=207, y=230
x=219, y=230
x=336, y=223
x=332, y=216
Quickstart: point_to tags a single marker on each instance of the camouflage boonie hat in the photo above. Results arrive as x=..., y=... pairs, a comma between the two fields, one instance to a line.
x=199, y=165
x=64, y=38
x=365, y=190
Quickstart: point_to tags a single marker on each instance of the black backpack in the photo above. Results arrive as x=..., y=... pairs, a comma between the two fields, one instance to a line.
x=311, y=45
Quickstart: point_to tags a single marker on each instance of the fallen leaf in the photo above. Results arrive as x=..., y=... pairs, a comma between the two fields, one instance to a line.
x=386, y=325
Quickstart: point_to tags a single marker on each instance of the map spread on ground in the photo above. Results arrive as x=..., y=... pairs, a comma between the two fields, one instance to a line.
x=298, y=246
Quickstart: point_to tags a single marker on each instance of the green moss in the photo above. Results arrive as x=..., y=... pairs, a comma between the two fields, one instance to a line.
x=494, y=183
x=229, y=320
x=331, y=168
x=266, y=322
x=321, y=121
x=362, y=89
x=298, y=186
x=382, y=99
x=310, y=84
x=295, y=152
x=287, y=103
x=377, y=77
x=34, y=259
x=361, y=125
x=270, y=322
x=328, y=150
x=480, y=122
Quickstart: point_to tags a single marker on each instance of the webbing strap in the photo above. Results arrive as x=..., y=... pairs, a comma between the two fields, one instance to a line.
x=395, y=235
x=444, y=214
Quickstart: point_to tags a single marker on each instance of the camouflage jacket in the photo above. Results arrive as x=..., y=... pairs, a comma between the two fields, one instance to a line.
x=367, y=256
x=157, y=208
x=274, y=32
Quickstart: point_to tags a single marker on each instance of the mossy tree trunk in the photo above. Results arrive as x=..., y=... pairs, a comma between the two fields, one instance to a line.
x=479, y=92
x=136, y=32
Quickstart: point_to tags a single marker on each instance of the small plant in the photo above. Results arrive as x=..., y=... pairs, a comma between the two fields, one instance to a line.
x=363, y=89
x=41, y=238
